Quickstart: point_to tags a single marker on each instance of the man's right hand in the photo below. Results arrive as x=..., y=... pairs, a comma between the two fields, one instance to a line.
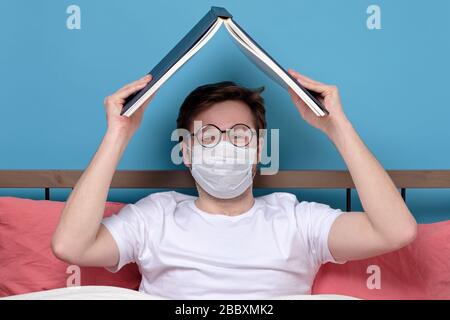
x=114, y=103
x=80, y=238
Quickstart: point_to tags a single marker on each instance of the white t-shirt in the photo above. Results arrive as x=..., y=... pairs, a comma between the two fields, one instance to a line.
x=273, y=249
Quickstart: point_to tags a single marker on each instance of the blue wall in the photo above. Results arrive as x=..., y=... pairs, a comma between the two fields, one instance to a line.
x=393, y=82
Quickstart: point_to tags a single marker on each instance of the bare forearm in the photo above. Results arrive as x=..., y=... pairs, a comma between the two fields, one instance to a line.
x=380, y=198
x=387, y=223
x=83, y=211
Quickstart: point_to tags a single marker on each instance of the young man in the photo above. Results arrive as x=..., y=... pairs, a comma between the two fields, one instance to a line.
x=225, y=243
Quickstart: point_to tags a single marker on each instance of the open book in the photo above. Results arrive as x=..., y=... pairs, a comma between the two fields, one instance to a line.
x=197, y=37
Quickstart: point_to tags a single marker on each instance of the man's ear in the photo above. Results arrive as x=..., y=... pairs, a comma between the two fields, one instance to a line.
x=186, y=154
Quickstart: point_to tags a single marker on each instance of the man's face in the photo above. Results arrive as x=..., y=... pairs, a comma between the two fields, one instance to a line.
x=225, y=115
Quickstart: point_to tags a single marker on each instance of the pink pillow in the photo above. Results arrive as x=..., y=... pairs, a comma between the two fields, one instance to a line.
x=27, y=263
x=418, y=271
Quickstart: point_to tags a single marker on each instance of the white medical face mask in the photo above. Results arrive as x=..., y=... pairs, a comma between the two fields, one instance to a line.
x=223, y=171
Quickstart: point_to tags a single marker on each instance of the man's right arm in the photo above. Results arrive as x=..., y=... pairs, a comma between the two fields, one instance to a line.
x=80, y=238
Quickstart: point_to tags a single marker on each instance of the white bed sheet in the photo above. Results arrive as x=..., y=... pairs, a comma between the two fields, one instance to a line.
x=116, y=293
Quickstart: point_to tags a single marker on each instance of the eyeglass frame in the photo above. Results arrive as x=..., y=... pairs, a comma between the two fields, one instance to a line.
x=253, y=132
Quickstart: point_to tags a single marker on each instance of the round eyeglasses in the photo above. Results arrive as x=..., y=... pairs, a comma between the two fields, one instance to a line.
x=210, y=135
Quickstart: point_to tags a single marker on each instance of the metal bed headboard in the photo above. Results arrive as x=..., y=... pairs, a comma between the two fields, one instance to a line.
x=179, y=179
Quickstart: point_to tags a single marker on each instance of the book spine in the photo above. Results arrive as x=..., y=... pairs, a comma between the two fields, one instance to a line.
x=221, y=12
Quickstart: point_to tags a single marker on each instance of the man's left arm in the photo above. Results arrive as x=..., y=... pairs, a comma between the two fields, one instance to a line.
x=386, y=223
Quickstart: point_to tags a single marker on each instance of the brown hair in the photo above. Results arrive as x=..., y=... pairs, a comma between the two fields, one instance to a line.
x=205, y=96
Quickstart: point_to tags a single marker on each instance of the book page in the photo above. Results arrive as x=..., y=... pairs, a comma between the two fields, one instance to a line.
x=257, y=60
x=268, y=66
x=206, y=37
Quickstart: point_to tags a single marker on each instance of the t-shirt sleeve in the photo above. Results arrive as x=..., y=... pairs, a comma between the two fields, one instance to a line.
x=127, y=229
x=314, y=221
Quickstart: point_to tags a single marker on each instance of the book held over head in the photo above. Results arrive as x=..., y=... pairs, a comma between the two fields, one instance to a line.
x=196, y=38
